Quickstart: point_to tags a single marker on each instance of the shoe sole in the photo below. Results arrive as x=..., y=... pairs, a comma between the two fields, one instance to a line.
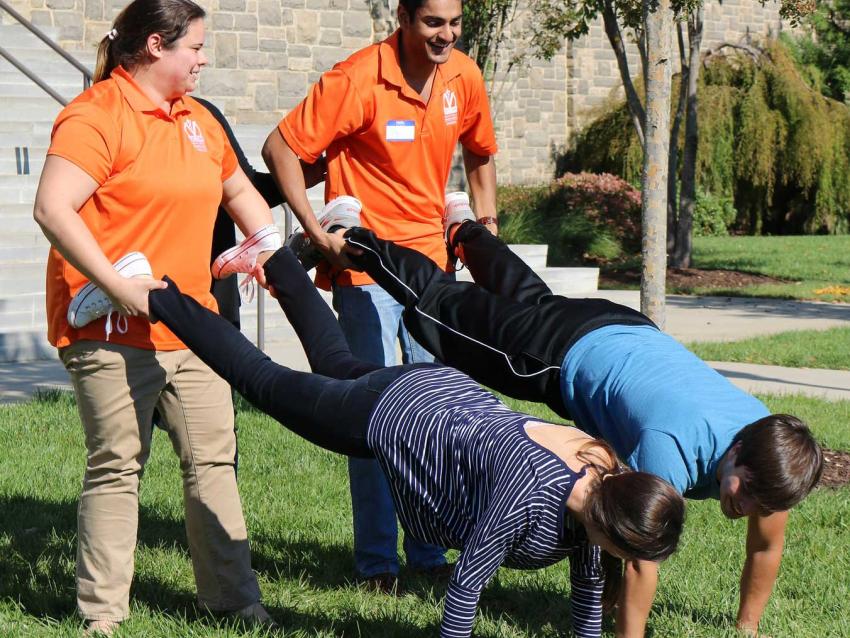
x=228, y=256
x=125, y=262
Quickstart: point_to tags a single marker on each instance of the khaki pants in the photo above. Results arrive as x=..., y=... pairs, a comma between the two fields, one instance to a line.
x=117, y=389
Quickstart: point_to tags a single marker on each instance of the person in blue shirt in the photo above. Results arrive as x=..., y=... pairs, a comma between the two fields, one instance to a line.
x=617, y=376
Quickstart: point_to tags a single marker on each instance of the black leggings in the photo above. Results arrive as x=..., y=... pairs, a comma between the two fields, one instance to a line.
x=330, y=407
x=507, y=330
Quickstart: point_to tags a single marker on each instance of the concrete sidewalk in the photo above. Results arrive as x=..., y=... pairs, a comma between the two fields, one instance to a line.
x=688, y=319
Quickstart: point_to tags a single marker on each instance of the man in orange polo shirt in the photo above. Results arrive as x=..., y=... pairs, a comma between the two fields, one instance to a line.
x=389, y=119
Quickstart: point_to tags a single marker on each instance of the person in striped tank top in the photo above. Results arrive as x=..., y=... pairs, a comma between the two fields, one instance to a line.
x=465, y=471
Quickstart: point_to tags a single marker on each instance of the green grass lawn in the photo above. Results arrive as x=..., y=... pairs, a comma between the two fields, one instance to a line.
x=297, y=507
x=814, y=262
x=828, y=349
x=817, y=266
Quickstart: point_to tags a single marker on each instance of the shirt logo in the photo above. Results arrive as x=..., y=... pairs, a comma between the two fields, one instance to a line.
x=450, y=107
x=401, y=130
x=193, y=132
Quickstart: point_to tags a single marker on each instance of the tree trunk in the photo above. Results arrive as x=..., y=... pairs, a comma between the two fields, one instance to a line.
x=687, y=203
x=658, y=21
x=673, y=162
x=383, y=19
x=615, y=38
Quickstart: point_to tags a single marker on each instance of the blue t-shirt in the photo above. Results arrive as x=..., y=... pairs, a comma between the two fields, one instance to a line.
x=660, y=406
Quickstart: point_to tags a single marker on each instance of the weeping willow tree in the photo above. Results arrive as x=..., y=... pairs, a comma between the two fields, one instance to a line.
x=770, y=141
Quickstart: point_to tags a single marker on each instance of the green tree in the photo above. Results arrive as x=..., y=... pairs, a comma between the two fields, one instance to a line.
x=503, y=34
x=622, y=21
x=829, y=50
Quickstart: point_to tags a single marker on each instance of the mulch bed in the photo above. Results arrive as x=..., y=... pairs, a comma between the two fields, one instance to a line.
x=836, y=469
x=684, y=278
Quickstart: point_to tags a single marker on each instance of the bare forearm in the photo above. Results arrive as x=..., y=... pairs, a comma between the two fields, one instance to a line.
x=67, y=232
x=765, y=541
x=249, y=210
x=757, y=580
x=639, y=584
x=481, y=174
x=287, y=171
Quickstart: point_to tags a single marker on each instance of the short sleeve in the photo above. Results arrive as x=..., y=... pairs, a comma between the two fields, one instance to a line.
x=229, y=161
x=87, y=136
x=332, y=109
x=659, y=454
x=477, y=133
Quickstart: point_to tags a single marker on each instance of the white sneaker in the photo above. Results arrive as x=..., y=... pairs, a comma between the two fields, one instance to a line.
x=243, y=257
x=92, y=303
x=342, y=212
x=457, y=211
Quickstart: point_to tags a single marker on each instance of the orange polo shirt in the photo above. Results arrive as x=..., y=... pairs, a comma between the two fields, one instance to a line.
x=159, y=186
x=387, y=147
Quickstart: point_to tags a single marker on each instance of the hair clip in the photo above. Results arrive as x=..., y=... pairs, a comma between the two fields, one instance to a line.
x=112, y=34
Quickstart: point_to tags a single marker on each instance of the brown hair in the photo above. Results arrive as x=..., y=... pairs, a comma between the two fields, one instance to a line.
x=640, y=513
x=411, y=6
x=783, y=458
x=126, y=44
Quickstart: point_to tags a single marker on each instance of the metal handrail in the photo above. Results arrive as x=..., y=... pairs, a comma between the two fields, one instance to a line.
x=32, y=76
x=41, y=35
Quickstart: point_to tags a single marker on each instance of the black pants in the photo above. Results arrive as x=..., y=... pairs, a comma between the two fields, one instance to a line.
x=507, y=330
x=330, y=407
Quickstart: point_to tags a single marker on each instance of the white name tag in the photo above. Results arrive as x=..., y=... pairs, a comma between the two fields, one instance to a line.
x=401, y=130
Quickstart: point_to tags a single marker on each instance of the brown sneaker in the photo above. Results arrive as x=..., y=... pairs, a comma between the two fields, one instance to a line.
x=441, y=573
x=103, y=627
x=385, y=583
x=254, y=615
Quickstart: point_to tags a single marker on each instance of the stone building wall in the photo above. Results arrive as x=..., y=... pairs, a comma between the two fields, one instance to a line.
x=264, y=54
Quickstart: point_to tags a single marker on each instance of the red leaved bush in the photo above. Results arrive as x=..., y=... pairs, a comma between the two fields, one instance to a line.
x=581, y=216
x=603, y=199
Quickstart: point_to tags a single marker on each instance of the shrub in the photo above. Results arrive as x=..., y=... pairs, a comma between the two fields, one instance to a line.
x=768, y=140
x=580, y=216
x=713, y=215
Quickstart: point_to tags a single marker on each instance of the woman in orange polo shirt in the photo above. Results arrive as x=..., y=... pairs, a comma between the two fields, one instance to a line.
x=137, y=165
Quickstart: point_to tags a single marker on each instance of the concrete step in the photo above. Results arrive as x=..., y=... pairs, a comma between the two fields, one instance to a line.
x=16, y=36
x=562, y=281
x=22, y=278
x=30, y=109
x=31, y=48
x=15, y=83
x=58, y=74
x=12, y=321
x=30, y=302
x=25, y=345
x=18, y=181
x=9, y=161
x=17, y=195
x=28, y=239
x=23, y=253
x=29, y=89
x=10, y=209
x=24, y=132
x=535, y=255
